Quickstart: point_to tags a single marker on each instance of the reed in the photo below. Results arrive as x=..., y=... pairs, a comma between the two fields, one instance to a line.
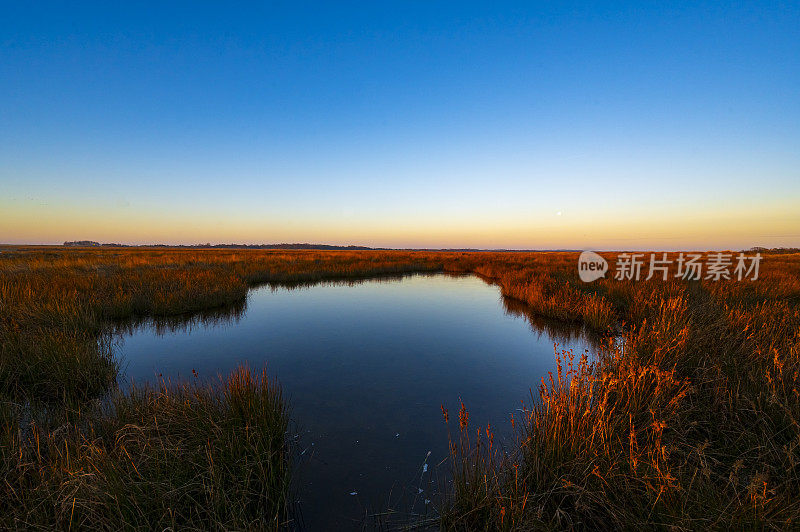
x=189, y=455
x=692, y=421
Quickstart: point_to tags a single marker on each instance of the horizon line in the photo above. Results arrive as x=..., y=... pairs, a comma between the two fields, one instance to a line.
x=352, y=247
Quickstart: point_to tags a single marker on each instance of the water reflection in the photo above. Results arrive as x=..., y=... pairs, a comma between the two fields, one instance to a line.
x=560, y=332
x=349, y=281
x=184, y=323
x=366, y=366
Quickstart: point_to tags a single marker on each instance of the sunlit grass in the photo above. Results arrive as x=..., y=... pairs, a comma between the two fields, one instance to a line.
x=692, y=421
x=187, y=455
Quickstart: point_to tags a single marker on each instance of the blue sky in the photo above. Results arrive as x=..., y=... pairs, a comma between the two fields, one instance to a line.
x=402, y=124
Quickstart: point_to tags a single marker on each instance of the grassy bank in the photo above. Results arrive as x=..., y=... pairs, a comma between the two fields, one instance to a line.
x=695, y=423
x=191, y=455
x=57, y=302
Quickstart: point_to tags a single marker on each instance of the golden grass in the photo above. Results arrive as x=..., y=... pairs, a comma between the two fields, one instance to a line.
x=185, y=455
x=694, y=423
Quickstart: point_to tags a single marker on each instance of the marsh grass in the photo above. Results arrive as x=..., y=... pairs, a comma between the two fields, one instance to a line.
x=692, y=421
x=190, y=455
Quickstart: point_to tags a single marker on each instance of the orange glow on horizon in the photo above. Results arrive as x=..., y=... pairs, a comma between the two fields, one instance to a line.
x=733, y=228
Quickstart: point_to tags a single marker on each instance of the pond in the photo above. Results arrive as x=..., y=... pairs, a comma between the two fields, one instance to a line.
x=366, y=367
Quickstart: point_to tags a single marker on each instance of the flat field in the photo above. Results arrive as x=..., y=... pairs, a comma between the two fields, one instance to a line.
x=689, y=419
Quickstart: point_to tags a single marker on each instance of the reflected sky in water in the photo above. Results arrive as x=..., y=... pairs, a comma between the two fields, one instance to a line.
x=366, y=367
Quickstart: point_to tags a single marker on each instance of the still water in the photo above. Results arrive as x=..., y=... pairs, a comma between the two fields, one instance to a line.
x=366, y=367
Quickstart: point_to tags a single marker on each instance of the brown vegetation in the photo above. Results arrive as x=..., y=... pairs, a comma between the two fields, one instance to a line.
x=693, y=421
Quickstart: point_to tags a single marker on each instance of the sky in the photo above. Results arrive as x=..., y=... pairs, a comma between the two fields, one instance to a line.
x=532, y=125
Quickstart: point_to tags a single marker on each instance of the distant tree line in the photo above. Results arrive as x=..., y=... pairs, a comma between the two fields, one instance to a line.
x=92, y=243
x=774, y=250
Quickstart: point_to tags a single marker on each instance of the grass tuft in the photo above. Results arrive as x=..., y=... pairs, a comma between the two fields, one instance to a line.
x=190, y=455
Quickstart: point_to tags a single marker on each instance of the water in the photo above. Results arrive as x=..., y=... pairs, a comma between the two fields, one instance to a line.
x=366, y=367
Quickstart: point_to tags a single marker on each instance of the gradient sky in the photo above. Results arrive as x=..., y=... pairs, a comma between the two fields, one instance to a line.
x=635, y=125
